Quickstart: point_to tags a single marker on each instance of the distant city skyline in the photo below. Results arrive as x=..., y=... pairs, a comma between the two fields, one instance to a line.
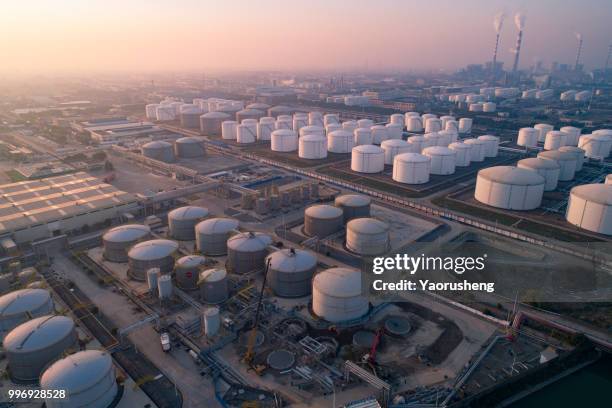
x=189, y=35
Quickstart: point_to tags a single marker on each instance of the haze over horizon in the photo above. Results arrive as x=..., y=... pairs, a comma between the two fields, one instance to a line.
x=189, y=35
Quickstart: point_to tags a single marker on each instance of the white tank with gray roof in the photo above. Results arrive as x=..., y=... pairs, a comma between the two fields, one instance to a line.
x=158, y=150
x=213, y=285
x=212, y=235
x=22, y=305
x=155, y=253
x=117, y=241
x=322, y=220
x=246, y=251
x=187, y=270
x=353, y=205
x=182, y=221
x=291, y=271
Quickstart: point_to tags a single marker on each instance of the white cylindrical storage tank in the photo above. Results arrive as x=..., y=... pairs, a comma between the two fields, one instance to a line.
x=509, y=187
x=299, y=121
x=418, y=143
x=187, y=270
x=117, y=241
x=398, y=119
x=249, y=114
x=554, y=140
x=283, y=123
x=165, y=112
x=245, y=134
x=337, y=295
x=447, y=137
x=452, y=126
x=367, y=236
x=367, y=159
x=425, y=117
x=158, y=150
x=549, y=169
x=182, y=221
x=340, y=141
x=284, y=140
x=155, y=253
x=477, y=154
x=489, y=107
x=265, y=127
x=151, y=111
x=190, y=116
x=465, y=125
x=433, y=125
x=590, y=208
x=411, y=115
x=153, y=275
x=527, y=137
x=362, y=136
x=608, y=179
x=322, y=220
x=595, y=146
x=442, y=160
x=32, y=345
x=278, y=110
x=365, y=123
x=463, y=153
x=353, y=206
x=543, y=129
x=246, y=251
x=332, y=127
x=312, y=130
x=394, y=131
x=433, y=139
x=578, y=154
x=291, y=271
x=212, y=235
x=414, y=124
x=573, y=134
x=394, y=147
x=331, y=119
x=212, y=321
x=350, y=125
x=566, y=160
x=312, y=146
x=316, y=119
x=476, y=107
x=189, y=147
x=259, y=106
x=491, y=145
x=22, y=305
x=411, y=168
x=229, y=130
x=210, y=123
x=379, y=134
x=445, y=119
x=213, y=286
x=88, y=377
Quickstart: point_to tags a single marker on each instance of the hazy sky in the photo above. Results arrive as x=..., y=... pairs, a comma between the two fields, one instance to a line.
x=152, y=35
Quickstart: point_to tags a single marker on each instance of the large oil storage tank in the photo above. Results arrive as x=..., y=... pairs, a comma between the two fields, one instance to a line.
x=543, y=129
x=259, y=106
x=210, y=123
x=445, y=119
x=397, y=118
x=577, y=152
x=151, y=111
x=87, y=376
x=283, y=122
x=22, y=305
x=155, y=253
x=367, y=236
x=452, y=126
x=312, y=130
x=566, y=160
x=365, y=123
x=447, y=137
x=433, y=139
x=549, y=169
x=189, y=147
x=158, y=150
x=554, y=140
x=379, y=134
x=278, y=110
x=284, y=140
x=322, y=220
x=246, y=251
x=331, y=119
x=528, y=137
x=182, y=221
x=350, y=125
x=265, y=127
x=190, y=116
x=573, y=134
x=332, y=127
x=393, y=147
x=465, y=125
x=340, y=141
x=418, y=143
x=394, y=131
x=291, y=271
x=213, y=285
x=367, y=159
x=212, y=235
x=300, y=120
x=442, y=160
x=249, y=114
x=315, y=119
x=595, y=146
x=187, y=270
x=337, y=295
x=165, y=112
x=362, y=136
x=491, y=145
x=117, y=241
x=463, y=153
x=245, y=134
x=414, y=124
x=477, y=154
x=32, y=345
x=411, y=168
x=229, y=130
x=510, y=188
x=312, y=146
x=433, y=125
x=590, y=208
x=353, y=206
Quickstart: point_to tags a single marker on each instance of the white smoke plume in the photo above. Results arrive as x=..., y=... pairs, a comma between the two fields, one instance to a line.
x=519, y=21
x=498, y=22
x=578, y=36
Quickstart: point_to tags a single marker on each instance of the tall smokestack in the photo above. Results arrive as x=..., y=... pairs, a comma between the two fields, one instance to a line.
x=608, y=59
x=519, y=21
x=579, y=38
x=498, y=22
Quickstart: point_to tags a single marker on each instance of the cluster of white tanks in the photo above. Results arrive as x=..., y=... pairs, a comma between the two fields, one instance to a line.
x=575, y=96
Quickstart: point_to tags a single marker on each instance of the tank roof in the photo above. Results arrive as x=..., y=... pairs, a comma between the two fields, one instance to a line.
x=249, y=241
x=38, y=333
x=313, y=138
x=459, y=146
x=292, y=260
x=412, y=158
x=189, y=212
x=323, y=211
x=157, y=144
x=571, y=149
x=556, y=155
x=126, y=233
x=215, y=115
x=356, y=200
x=23, y=300
x=511, y=175
x=213, y=275
x=473, y=141
x=153, y=249
x=598, y=193
x=217, y=225
x=539, y=163
x=191, y=261
x=77, y=372
x=284, y=132
x=340, y=133
x=369, y=149
x=188, y=139
x=394, y=143
x=489, y=138
x=339, y=282
x=438, y=151
x=367, y=225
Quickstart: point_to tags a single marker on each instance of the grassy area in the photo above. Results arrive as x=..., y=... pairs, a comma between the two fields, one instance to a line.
x=15, y=176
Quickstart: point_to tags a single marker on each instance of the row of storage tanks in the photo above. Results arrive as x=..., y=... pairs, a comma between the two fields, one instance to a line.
x=596, y=145
x=36, y=342
x=189, y=113
x=522, y=187
x=184, y=147
x=574, y=95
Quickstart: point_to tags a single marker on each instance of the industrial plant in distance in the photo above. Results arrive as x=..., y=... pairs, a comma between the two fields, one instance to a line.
x=306, y=204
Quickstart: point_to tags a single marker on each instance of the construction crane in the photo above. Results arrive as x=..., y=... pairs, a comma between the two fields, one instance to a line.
x=250, y=354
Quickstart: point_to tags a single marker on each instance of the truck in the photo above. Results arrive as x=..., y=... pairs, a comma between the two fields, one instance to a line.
x=164, y=338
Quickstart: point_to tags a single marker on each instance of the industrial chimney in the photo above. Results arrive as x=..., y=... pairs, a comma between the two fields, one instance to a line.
x=519, y=21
